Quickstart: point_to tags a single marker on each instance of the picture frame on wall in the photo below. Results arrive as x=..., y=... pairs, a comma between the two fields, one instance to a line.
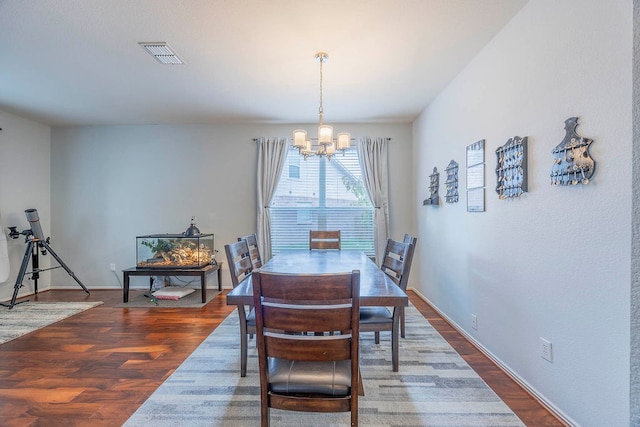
x=475, y=176
x=475, y=200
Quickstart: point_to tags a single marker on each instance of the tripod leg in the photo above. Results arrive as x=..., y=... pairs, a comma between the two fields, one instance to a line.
x=35, y=265
x=71, y=273
x=23, y=269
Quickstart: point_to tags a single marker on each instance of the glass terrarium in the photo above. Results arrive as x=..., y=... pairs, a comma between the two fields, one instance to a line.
x=174, y=251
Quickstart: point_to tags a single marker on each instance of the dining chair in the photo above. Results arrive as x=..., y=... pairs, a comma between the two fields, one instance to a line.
x=254, y=251
x=396, y=264
x=319, y=239
x=413, y=240
x=315, y=372
x=240, y=268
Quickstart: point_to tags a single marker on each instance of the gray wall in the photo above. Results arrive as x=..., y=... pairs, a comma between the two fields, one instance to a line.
x=24, y=184
x=110, y=184
x=556, y=262
x=635, y=242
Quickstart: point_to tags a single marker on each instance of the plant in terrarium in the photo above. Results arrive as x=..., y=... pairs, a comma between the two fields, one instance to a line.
x=158, y=246
x=177, y=252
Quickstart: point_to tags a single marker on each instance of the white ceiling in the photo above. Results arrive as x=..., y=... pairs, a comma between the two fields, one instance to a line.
x=78, y=62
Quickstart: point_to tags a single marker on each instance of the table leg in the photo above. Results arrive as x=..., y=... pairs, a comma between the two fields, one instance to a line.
x=394, y=339
x=203, y=285
x=125, y=287
x=219, y=278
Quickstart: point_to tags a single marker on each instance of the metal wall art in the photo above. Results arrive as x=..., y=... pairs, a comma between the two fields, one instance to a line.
x=511, y=168
x=451, y=184
x=572, y=164
x=475, y=177
x=434, y=185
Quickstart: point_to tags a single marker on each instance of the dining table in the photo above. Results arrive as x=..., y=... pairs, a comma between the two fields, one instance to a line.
x=376, y=288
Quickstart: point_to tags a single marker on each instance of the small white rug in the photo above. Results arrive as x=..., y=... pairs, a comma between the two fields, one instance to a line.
x=30, y=316
x=139, y=299
x=173, y=293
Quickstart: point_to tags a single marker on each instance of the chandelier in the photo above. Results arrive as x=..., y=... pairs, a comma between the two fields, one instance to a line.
x=326, y=144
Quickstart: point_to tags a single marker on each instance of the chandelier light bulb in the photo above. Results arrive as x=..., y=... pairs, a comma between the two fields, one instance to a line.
x=299, y=138
x=344, y=140
x=325, y=135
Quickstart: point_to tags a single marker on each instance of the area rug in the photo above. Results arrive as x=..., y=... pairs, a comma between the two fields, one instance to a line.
x=434, y=387
x=30, y=316
x=138, y=299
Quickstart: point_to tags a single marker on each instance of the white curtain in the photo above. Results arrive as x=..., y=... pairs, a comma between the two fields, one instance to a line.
x=375, y=173
x=272, y=154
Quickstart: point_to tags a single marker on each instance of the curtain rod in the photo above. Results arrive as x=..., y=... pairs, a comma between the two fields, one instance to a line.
x=315, y=139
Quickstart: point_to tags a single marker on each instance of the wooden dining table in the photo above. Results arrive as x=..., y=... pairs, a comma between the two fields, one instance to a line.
x=376, y=288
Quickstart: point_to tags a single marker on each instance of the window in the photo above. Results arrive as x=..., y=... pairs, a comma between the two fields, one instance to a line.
x=325, y=195
x=294, y=167
x=304, y=213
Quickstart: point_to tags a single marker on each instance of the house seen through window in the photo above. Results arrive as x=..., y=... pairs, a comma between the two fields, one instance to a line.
x=321, y=194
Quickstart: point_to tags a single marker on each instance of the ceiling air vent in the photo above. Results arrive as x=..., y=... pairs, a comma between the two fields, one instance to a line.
x=162, y=52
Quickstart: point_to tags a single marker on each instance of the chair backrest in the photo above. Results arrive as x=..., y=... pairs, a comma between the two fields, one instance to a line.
x=324, y=239
x=254, y=251
x=294, y=314
x=397, y=260
x=240, y=266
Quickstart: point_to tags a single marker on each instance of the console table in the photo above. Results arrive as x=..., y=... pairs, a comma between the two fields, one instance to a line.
x=199, y=272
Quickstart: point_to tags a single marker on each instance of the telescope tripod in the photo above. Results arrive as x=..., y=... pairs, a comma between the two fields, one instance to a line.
x=32, y=252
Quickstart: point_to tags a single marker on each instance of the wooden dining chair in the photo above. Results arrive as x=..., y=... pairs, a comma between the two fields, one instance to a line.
x=254, y=251
x=396, y=264
x=324, y=239
x=240, y=268
x=314, y=372
x=413, y=240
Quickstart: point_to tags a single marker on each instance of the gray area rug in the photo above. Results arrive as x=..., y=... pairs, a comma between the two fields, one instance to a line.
x=137, y=299
x=30, y=316
x=435, y=387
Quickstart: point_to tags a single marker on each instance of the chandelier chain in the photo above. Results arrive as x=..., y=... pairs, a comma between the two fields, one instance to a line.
x=320, y=110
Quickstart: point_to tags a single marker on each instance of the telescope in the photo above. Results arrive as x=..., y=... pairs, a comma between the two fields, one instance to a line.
x=36, y=228
x=34, y=221
x=35, y=239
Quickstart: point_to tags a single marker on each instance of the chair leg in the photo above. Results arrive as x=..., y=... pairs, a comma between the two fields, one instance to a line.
x=243, y=341
x=251, y=335
x=354, y=400
x=265, y=418
x=377, y=336
x=243, y=355
x=402, y=332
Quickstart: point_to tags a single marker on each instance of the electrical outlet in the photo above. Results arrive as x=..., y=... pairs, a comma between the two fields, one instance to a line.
x=546, y=350
x=113, y=267
x=474, y=322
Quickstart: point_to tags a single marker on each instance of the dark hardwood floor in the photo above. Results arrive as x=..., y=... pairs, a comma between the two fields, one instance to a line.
x=96, y=368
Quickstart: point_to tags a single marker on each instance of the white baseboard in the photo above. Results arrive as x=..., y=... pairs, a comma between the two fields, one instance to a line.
x=504, y=367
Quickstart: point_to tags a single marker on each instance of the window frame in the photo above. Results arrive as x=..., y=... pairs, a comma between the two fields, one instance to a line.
x=302, y=203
